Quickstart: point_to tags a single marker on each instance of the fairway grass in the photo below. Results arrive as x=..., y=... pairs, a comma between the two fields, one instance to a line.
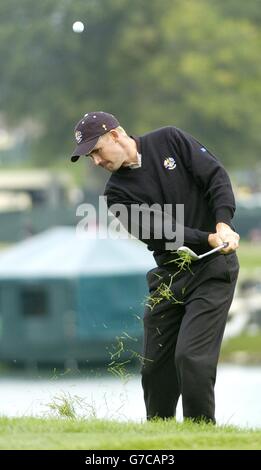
x=34, y=433
x=249, y=255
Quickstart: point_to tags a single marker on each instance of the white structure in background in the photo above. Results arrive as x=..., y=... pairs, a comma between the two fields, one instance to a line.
x=25, y=188
x=245, y=311
x=14, y=202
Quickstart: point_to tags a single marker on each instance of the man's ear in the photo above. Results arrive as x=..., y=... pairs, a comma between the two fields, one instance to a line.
x=114, y=134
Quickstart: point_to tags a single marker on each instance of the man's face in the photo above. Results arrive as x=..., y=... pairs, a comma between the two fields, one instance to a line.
x=109, y=153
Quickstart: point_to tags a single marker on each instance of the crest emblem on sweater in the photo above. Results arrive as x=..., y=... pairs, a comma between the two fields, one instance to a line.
x=169, y=163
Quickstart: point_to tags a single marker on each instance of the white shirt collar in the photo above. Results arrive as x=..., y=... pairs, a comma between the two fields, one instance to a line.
x=133, y=166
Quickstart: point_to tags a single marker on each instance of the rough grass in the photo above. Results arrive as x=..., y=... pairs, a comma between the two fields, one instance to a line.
x=34, y=433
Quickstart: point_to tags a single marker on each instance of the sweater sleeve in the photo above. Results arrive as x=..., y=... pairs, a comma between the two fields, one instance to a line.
x=141, y=222
x=208, y=173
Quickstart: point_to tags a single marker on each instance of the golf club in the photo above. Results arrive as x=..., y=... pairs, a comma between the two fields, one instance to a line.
x=194, y=256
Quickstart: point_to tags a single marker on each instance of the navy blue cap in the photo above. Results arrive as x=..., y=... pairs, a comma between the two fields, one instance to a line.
x=88, y=130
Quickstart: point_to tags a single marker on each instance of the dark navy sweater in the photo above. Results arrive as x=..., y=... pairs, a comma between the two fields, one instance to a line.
x=176, y=169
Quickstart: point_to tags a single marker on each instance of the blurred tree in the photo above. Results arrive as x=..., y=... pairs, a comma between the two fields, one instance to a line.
x=202, y=73
x=48, y=71
x=192, y=64
x=239, y=9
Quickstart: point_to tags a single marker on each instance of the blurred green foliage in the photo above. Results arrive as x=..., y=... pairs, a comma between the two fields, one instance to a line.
x=243, y=349
x=193, y=64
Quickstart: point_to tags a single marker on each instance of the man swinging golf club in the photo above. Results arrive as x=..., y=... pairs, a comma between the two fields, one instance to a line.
x=181, y=340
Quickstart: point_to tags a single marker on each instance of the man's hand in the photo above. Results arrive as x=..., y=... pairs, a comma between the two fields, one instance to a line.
x=224, y=234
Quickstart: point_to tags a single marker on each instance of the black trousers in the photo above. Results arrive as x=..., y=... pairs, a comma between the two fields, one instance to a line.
x=182, y=341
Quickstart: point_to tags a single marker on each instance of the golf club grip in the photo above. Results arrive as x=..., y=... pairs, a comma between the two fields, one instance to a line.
x=224, y=245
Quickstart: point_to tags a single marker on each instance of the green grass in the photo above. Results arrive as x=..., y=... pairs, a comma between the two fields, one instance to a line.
x=34, y=433
x=243, y=348
x=249, y=255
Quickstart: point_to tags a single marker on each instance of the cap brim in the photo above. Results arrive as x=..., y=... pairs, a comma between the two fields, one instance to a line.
x=84, y=149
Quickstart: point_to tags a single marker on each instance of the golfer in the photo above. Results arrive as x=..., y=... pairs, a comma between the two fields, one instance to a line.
x=182, y=331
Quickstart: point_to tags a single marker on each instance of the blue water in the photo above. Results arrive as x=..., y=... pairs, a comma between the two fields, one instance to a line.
x=237, y=396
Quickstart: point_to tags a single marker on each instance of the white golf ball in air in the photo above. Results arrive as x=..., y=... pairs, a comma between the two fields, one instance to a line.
x=78, y=27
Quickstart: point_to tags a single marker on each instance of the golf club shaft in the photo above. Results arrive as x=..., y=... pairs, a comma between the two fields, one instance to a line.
x=224, y=245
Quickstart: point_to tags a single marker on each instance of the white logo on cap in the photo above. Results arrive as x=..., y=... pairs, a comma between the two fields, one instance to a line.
x=78, y=137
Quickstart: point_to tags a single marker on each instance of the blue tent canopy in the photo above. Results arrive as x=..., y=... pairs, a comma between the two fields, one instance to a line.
x=60, y=253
